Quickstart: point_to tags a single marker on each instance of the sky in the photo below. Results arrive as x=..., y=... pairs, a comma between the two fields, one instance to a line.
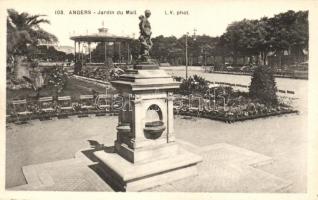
x=207, y=17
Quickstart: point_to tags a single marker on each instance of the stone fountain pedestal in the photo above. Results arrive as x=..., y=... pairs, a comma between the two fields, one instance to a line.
x=146, y=154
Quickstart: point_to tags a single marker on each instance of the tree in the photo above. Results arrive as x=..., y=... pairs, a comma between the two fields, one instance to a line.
x=263, y=86
x=285, y=31
x=23, y=33
x=265, y=39
x=290, y=31
x=231, y=39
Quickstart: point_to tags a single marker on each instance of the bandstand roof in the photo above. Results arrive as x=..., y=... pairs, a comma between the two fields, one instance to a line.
x=102, y=36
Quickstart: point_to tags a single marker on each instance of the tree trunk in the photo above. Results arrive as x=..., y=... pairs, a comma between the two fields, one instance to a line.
x=37, y=93
x=250, y=62
x=258, y=60
x=20, y=70
x=235, y=58
x=223, y=60
x=265, y=58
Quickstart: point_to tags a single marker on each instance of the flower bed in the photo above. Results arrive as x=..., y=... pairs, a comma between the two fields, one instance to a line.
x=47, y=116
x=230, y=117
x=231, y=114
x=35, y=112
x=223, y=103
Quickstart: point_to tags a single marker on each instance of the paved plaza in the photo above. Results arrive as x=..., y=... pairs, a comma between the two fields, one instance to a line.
x=231, y=168
x=56, y=154
x=262, y=155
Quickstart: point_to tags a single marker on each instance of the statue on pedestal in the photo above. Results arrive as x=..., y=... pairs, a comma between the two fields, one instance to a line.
x=145, y=37
x=146, y=154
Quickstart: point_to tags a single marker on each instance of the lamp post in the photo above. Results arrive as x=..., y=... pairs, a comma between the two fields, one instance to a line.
x=214, y=96
x=223, y=102
x=186, y=53
x=186, y=49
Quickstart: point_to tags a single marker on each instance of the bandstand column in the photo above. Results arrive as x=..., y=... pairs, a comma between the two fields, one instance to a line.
x=119, y=52
x=89, y=51
x=114, y=50
x=81, y=52
x=127, y=53
x=105, y=50
x=77, y=51
x=74, y=51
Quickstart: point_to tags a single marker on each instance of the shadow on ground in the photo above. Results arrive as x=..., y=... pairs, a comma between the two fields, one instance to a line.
x=97, y=167
x=96, y=146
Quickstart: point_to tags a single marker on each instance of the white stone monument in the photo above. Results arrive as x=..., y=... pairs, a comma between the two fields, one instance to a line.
x=146, y=154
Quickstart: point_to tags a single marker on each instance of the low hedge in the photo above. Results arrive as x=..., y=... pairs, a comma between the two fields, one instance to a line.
x=50, y=115
x=232, y=118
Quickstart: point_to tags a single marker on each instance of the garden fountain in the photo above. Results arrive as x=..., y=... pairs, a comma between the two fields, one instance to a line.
x=146, y=153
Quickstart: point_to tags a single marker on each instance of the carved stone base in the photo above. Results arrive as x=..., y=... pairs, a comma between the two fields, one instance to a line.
x=146, y=65
x=126, y=176
x=147, y=153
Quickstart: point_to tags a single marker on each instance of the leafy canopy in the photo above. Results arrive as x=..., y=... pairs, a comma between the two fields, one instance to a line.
x=24, y=31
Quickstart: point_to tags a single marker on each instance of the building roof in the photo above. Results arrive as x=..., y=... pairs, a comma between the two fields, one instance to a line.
x=65, y=49
x=102, y=36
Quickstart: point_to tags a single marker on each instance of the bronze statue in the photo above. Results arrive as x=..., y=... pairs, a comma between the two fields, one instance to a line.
x=145, y=36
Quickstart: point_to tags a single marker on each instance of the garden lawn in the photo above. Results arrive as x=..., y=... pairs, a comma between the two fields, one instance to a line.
x=74, y=88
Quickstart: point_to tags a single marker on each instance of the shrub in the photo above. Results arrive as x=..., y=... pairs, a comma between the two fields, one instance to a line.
x=263, y=86
x=194, y=85
x=115, y=73
x=177, y=78
x=57, y=78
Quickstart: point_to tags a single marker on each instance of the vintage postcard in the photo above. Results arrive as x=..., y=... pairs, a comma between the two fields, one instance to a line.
x=158, y=99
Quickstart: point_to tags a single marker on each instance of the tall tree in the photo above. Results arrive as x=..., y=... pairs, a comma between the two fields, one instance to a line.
x=23, y=33
x=231, y=39
x=290, y=31
x=285, y=31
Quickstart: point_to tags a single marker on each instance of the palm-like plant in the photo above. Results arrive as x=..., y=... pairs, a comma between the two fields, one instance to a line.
x=23, y=33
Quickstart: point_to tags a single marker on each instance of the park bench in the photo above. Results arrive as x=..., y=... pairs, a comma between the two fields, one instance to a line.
x=282, y=91
x=184, y=101
x=46, y=105
x=10, y=115
x=195, y=105
x=65, y=106
x=103, y=103
x=87, y=103
x=177, y=104
x=117, y=103
x=21, y=111
x=207, y=105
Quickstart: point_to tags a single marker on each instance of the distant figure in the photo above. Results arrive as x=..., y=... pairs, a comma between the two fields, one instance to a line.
x=95, y=93
x=77, y=67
